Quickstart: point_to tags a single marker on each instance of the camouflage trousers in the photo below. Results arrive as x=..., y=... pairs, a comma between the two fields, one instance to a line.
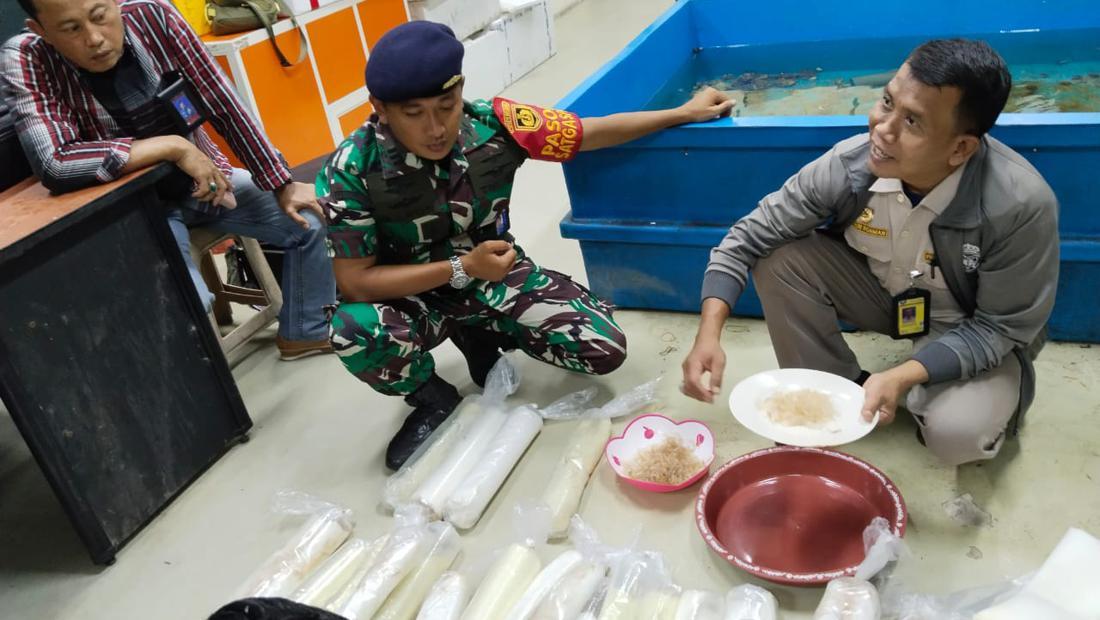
x=550, y=317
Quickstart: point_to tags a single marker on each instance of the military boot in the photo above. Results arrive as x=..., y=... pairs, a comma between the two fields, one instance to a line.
x=481, y=348
x=432, y=403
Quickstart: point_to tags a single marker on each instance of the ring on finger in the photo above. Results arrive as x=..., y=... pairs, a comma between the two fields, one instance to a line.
x=213, y=187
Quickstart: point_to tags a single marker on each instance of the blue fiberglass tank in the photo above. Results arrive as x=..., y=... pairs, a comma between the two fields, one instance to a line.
x=804, y=75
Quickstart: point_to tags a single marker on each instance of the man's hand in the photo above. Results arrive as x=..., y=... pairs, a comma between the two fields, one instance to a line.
x=210, y=183
x=490, y=260
x=706, y=356
x=294, y=197
x=707, y=104
x=883, y=391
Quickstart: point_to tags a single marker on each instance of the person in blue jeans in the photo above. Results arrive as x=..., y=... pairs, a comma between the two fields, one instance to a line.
x=87, y=85
x=307, y=272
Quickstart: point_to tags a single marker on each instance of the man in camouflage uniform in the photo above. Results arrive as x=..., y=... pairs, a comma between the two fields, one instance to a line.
x=417, y=205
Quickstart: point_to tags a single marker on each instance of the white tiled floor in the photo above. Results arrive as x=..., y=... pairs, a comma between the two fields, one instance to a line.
x=319, y=430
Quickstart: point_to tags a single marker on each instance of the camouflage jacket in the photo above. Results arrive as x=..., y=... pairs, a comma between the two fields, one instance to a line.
x=382, y=200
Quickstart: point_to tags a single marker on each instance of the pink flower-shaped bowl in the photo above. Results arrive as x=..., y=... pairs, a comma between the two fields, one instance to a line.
x=651, y=429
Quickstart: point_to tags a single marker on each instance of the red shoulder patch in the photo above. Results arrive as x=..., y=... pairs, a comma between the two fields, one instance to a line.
x=545, y=133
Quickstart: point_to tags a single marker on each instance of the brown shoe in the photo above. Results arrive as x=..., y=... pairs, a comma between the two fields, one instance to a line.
x=297, y=349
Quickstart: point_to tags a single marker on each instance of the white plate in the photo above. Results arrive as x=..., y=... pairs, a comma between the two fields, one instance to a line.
x=747, y=399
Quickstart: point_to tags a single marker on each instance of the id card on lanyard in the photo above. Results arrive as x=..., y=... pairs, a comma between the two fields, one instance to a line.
x=912, y=309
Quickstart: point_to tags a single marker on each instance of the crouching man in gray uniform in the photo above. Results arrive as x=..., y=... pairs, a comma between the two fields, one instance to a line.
x=925, y=228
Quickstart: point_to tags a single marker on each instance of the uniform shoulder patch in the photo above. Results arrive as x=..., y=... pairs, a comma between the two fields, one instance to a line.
x=545, y=133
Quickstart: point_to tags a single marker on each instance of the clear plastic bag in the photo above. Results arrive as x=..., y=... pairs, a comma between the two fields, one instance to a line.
x=503, y=381
x=427, y=458
x=633, y=576
x=572, y=594
x=881, y=547
x=448, y=476
x=374, y=549
x=505, y=582
x=701, y=605
x=505, y=575
x=570, y=406
x=628, y=403
x=470, y=498
x=579, y=458
x=749, y=602
x=327, y=527
x=447, y=599
x=430, y=457
x=848, y=598
x=406, y=599
x=544, y=583
x=324, y=584
x=406, y=549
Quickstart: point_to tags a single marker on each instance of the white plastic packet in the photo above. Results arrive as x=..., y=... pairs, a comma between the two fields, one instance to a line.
x=447, y=599
x=463, y=457
x=325, y=583
x=406, y=599
x=506, y=581
x=749, y=602
x=579, y=458
x=343, y=595
x=544, y=583
x=572, y=594
x=506, y=574
x=447, y=476
x=633, y=576
x=406, y=549
x=471, y=497
x=701, y=605
x=848, y=598
x=327, y=527
x=427, y=458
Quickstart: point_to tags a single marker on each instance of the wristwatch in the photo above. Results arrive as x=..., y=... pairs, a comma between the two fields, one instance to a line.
x=459, y=279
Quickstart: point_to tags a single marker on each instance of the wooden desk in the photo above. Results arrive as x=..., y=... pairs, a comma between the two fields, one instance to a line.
x=108, y=364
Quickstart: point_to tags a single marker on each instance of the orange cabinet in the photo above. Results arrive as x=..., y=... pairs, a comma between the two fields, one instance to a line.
x=307, y=109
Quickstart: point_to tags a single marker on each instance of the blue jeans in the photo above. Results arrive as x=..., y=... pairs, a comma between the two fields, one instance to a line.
x=308, y=284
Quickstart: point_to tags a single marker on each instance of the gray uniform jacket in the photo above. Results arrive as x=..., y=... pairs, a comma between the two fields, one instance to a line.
x=996, y=243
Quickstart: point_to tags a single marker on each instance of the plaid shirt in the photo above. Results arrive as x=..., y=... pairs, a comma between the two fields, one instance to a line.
x=73, y=142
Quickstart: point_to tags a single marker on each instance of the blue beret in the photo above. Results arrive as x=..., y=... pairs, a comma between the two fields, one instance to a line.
x=416, y=59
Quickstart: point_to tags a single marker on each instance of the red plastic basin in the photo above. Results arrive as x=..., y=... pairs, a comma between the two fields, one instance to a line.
x=795, y=515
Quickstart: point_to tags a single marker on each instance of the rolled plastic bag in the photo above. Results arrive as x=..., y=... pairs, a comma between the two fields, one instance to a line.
x=546, y=580
x=404, y=602
x=578, y=460
x=632, y=577
x=447, y=599
x=848, y=598
x=471, y=497
x=749, y=602
x=427, y=458
x=374, y=549
x=701, y=605
x=569, y=598
x=504, y=584
x=325, y=583
x=447, y=478
x=327, y=527
x=405, y=550
x=659, y=605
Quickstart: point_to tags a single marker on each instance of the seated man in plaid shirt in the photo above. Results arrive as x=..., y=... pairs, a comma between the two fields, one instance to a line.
x=83, y=84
